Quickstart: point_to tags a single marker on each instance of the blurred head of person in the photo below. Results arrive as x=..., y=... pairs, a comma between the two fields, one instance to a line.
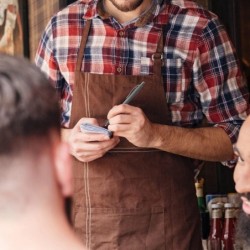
x=242, y=182
x=35, y=166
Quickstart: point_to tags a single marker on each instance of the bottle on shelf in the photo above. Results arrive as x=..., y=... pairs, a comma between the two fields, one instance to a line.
x=228, y=232
x=204, y=214
x=200, y=196
x=216, y=225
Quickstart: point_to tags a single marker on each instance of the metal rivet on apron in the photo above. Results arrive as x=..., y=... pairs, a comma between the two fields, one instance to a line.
x=119, y=69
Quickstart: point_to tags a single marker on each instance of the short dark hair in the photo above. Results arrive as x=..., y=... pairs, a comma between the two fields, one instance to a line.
x=28, y=103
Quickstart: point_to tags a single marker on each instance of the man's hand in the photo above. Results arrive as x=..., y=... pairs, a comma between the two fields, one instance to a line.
x=86, y=146
x=206, y=143
x=131, y=122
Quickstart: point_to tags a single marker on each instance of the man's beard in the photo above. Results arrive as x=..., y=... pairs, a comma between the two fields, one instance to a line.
x=128, y=5
x=243, y=229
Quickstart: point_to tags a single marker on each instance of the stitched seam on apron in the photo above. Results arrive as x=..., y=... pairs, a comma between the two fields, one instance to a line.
x=88, y=202
x=136, y=149
x=87, y=95
x=133, y=151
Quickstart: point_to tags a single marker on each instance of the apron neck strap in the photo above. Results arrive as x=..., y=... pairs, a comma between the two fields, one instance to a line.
x=84, y=38
x=157, y=57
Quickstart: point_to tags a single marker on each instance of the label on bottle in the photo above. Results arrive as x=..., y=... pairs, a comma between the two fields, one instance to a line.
x=217, y=213
x=230, y=213
x=199, y=192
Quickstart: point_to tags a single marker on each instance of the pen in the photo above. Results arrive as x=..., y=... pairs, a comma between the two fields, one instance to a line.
x=133, y=93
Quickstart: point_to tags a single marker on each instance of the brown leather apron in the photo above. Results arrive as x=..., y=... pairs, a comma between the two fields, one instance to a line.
x=131, y=198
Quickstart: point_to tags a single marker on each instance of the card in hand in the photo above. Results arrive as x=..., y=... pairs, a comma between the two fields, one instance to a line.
x=90, y=128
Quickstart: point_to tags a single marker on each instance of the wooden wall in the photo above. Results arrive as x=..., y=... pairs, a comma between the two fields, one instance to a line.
x=39, y=14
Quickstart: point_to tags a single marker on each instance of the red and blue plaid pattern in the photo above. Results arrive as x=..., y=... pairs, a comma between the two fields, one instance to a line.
x=200, y=71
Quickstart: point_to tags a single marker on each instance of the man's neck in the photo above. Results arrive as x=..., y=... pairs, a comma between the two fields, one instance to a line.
x=123, y=17
x=38, y=231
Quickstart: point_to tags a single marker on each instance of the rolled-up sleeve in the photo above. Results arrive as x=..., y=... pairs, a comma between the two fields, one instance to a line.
x=46, y=60
x=218, y=79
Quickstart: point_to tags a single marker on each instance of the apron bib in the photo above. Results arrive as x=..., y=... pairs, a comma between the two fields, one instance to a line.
x=131, y=198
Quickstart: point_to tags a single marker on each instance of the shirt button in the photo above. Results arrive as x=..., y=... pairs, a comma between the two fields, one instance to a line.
x=119, y=69
x=121, y=33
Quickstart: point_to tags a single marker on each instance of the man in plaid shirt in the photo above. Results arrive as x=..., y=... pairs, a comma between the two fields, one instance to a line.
x=130, y=189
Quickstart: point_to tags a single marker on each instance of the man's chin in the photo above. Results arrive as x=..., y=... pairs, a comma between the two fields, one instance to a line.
x=243, y=228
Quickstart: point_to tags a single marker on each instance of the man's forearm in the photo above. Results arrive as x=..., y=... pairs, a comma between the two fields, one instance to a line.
x=210, y=144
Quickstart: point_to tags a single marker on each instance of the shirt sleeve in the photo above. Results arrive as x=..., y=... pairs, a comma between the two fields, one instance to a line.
x=45, y=59
x=217, y=77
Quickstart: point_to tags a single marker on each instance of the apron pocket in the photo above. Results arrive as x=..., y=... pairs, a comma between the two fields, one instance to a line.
x=134, y=229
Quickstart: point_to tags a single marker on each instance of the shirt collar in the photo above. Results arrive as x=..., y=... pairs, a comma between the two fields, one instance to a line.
x=94, y=8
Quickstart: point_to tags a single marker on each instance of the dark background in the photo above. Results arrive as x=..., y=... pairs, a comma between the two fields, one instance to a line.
x=23, y=8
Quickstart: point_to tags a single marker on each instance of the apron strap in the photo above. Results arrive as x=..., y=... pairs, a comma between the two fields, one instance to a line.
x=84, y=38
x=157, y=57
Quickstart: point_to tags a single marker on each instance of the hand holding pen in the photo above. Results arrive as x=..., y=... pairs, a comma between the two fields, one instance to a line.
x=132, y=94
x=90, y=128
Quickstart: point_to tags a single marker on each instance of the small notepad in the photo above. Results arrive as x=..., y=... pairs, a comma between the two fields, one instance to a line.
x=90, y=128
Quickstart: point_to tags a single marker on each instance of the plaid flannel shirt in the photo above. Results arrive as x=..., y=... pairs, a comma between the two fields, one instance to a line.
x=200, y=73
